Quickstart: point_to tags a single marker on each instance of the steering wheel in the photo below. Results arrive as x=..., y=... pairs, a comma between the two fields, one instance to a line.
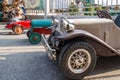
x=103, y=14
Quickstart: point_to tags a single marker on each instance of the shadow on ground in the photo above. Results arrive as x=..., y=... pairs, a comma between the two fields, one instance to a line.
x=37, y=66
x=104, y=66
x=29, y=66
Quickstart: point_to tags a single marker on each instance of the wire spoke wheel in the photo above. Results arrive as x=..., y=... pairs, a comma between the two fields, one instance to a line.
x=79, y=61
x=35, y=38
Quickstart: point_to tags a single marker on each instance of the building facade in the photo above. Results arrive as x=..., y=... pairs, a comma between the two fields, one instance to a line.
x=34, y=4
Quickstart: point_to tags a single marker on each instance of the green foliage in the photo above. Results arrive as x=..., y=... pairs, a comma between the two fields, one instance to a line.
x=87, y=4
x=97, y=8
x=73, y=9
x=91, y=10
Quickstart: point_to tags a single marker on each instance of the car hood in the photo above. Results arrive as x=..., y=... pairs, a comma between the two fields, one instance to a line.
x=89, y=21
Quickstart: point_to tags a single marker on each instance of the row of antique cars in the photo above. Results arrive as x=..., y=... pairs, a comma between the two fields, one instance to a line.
x=74, y=43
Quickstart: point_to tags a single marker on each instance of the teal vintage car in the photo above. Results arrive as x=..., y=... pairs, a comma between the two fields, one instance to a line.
x=39, y=27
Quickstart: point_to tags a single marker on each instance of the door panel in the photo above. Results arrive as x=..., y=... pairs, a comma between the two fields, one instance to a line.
x=114, y=36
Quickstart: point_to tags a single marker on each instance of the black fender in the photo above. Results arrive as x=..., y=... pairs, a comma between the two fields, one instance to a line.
x=81, y=33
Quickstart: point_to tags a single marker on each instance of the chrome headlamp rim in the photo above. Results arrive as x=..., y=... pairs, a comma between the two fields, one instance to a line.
x=66, y=26
x=56, y=22
x=70, y=27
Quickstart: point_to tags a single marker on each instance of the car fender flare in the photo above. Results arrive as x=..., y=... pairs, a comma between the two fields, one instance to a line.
x=82, y=33
x=18, y=24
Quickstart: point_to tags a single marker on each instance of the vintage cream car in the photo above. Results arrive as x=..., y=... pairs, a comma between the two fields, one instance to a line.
x=76, y=49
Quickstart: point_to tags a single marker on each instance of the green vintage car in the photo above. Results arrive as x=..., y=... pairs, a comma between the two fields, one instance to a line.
x=38, y=27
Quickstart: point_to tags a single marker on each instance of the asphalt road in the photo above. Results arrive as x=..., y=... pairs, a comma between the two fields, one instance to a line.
x=20, y=60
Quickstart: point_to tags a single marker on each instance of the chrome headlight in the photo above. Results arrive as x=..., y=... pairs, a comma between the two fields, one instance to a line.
x=66, y=26
x=55, y=22
x=70, y=27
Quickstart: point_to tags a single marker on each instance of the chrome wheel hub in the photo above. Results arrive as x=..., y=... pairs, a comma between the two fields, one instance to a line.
x=79, y=61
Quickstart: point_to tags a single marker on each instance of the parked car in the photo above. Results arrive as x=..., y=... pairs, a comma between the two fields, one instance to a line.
x=76, y=49
x=19, y=26
x=39, y=27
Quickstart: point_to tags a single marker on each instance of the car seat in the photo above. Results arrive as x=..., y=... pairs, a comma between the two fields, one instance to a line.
x=117, y=21
x=103, y=14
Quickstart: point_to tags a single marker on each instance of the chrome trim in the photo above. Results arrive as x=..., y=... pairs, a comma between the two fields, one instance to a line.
x=79, y=61
x=51, y=52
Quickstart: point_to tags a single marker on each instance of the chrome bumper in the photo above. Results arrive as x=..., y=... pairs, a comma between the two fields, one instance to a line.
x=51, y=52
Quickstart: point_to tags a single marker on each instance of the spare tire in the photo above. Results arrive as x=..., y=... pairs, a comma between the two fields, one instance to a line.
x=117, y=21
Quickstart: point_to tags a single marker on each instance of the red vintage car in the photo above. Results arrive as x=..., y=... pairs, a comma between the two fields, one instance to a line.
x=19, y=26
